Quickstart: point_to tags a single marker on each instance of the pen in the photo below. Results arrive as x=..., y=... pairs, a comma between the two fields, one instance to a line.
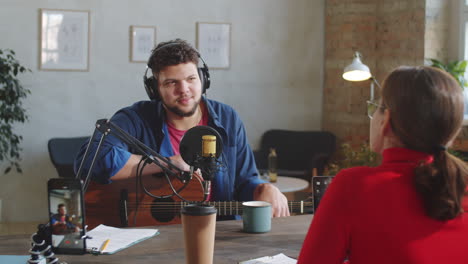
x=104, y=245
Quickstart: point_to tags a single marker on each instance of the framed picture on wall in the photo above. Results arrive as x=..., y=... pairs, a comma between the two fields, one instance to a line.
x=214, y=44
x=142, y=40
x=64, y=40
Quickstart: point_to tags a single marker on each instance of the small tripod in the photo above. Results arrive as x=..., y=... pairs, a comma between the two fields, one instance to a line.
x=41, y=245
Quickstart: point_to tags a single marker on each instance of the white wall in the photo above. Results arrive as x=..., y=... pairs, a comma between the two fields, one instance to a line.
x=275, y=79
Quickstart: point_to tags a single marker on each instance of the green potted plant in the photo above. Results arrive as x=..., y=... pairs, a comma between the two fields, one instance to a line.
x=12, y=111
x=455, y=68
x=353, y=157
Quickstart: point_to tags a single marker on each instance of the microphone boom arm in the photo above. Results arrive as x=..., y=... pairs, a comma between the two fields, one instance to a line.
x=106, y=127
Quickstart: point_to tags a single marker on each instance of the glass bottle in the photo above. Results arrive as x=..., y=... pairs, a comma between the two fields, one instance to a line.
x=272, y=165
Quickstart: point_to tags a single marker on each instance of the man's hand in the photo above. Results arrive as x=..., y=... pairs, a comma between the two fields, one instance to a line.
x=180, y=163
x=269, y=193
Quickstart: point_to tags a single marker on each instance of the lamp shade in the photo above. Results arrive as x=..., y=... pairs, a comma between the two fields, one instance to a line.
x=356, y=71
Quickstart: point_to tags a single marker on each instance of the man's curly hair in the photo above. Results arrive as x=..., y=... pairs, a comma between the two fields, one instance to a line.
x=171, y=53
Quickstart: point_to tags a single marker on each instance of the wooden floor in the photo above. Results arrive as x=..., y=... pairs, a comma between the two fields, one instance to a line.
x=18, y=228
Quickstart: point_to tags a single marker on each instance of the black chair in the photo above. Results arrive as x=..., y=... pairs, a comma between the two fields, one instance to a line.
x=62, y=153
x=298, y=152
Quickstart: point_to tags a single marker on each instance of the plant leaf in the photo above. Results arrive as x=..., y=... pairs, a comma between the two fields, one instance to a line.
x=456, y=68
x=12, y=94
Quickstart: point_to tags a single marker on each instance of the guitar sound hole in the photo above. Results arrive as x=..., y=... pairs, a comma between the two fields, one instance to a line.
x=163, y=209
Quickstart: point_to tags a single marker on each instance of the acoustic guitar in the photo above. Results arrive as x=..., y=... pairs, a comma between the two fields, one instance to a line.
x=123, y=203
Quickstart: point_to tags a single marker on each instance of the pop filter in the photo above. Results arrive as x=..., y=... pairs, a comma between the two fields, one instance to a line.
x=190, y=147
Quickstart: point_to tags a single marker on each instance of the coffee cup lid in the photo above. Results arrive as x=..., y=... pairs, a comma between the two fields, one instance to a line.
x=198, y=209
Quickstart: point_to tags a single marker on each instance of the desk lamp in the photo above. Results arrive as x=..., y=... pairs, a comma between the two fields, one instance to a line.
x=358, y=71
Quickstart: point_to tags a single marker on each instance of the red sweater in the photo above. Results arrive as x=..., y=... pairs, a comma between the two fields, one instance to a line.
x=375, y=216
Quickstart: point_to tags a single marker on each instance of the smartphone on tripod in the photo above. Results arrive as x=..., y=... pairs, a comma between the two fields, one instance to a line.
x=67, y=215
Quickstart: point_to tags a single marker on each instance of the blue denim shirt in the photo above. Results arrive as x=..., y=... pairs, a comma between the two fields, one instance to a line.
x=145, y=120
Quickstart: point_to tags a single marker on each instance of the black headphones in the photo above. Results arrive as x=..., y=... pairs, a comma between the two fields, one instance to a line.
x=151, y=83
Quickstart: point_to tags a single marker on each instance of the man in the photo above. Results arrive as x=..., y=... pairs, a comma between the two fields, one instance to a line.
x=61, y=222
x=161, y=123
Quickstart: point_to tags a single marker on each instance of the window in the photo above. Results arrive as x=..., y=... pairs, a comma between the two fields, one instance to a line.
x=463, y=44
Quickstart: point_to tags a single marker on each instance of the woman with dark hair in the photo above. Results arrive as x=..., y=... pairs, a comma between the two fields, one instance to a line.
x=411, y=208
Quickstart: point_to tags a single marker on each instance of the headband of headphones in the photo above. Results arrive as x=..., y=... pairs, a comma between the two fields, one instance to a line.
x=151, y=83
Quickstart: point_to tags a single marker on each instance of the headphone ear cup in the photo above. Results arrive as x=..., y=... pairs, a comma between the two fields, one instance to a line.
x=204, y=78
x=151, y=87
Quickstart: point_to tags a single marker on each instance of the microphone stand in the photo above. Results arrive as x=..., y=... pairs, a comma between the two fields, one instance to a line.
x=106, y=127
x=198, y=148
x=41, y=242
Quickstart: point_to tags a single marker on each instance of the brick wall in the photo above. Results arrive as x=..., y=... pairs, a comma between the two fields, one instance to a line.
x=388, y=34
x=349, y=26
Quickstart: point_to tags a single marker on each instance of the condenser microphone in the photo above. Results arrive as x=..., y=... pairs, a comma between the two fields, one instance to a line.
x=200, y=147
x=209, y=156
x=208, y=161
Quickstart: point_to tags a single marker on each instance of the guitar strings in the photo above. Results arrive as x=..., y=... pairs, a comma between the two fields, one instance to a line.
x=212, y=203
x=171, y=206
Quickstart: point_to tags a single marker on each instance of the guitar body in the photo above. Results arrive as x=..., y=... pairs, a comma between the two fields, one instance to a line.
x=124, y=204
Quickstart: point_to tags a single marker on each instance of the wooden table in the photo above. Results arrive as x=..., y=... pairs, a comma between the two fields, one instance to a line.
x=231, y=244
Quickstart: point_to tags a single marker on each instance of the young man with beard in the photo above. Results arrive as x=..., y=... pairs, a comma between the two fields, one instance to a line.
x=178, y=104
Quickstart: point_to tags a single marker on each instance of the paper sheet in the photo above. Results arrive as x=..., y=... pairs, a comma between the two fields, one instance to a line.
x=120, y=238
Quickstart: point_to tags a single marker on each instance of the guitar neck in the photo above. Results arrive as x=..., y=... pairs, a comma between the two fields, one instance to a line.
x=235, y=207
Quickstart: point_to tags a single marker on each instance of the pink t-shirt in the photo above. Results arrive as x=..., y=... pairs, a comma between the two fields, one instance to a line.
x=175, y=135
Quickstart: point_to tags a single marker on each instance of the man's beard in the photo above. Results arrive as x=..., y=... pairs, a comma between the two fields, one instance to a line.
x=176, y=110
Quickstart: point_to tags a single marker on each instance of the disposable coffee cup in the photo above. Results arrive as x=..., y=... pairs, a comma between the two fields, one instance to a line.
x=256, y=216
x=199, y=224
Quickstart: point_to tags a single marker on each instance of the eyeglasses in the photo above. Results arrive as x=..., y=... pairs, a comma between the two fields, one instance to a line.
x=372, y=107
